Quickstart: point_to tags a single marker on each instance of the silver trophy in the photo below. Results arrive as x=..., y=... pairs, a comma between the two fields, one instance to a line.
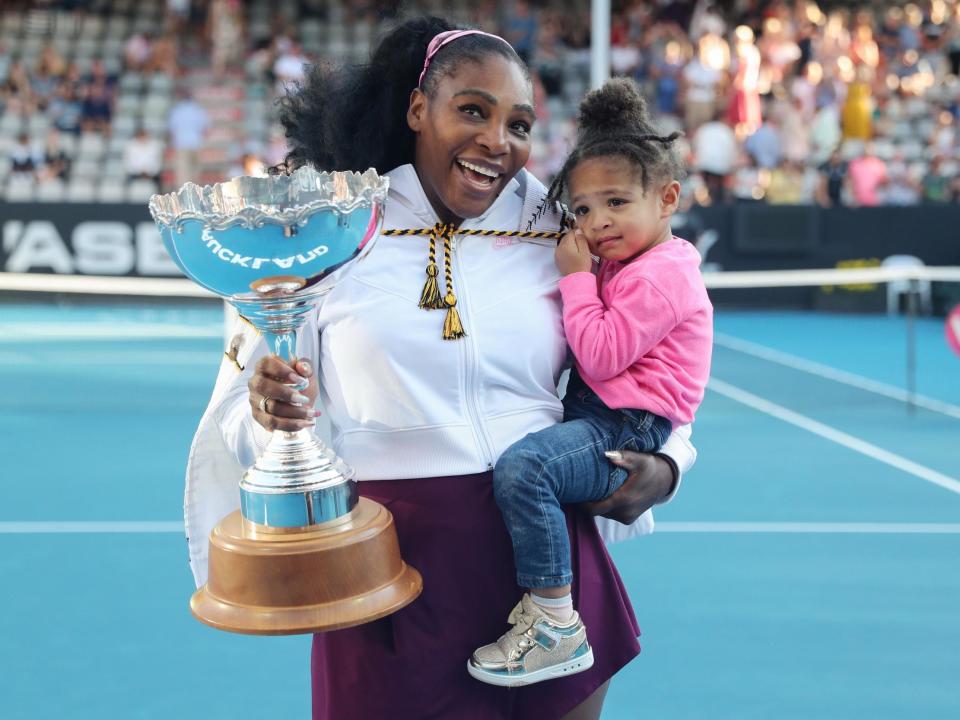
x=287, y=561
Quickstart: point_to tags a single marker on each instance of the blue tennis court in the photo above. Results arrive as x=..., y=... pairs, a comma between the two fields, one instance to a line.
x=808, y=568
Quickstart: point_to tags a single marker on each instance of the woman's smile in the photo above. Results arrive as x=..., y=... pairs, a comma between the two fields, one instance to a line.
x=480, y=177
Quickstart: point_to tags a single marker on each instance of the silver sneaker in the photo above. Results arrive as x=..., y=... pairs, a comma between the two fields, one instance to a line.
x=536, y=648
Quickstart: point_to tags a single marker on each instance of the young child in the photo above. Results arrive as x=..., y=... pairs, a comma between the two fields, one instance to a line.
x=641, y=332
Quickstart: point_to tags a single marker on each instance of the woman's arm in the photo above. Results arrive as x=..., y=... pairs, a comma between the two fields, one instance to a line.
x=653, y=478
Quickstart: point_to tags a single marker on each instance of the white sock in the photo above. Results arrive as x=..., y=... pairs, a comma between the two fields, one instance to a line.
x=559, y=609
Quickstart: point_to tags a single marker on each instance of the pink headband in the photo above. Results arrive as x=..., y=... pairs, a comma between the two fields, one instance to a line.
x=444, y=39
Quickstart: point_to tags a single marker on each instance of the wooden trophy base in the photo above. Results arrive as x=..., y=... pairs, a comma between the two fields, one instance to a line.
x=343, y=573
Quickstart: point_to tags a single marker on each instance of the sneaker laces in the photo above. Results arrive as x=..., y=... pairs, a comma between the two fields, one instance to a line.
x=516, y=641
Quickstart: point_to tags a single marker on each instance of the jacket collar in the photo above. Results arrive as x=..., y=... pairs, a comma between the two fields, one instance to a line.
x=405, y=189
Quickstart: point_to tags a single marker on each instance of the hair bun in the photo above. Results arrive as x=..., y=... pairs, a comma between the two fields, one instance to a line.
x=618, y=105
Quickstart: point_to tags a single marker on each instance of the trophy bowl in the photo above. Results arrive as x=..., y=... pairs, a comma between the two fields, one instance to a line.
x=304, y=553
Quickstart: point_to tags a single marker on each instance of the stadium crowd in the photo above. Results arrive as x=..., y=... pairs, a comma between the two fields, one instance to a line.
x=780, y=102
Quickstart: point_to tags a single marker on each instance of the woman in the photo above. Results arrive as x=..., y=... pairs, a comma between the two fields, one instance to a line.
x=422, y=418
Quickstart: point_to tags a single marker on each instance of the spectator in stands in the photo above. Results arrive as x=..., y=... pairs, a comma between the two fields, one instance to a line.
x=744, y=110
x=51, y=62
x=901, y=187
x=778, y=49
x=889, y=36
x=943, y=139
x=707, y=18
x=766, y=145
x=290, y=67
x=163, y=59
x=136, y=52
x=938, y=186
x=792, y=183
x=56, y=162
x=143, y=157
x=833, y=180
x=868, y=175
x=259, y=65
x=804, y=89
x=953, y=45
x=25, y=157
x=625, y=58
x=226, y=34
x=703, y=81
x=715, y=155
x=863, y=48
x=46, y=77
x=188, y=124
x=825, y=134
x=66, y=109
x=548, y=58
x=99, y=74
x=667, y=74
x=748, y=182
x=17, y=91
x=178, y=12
x=277, y=147
x=794, y=131
x=97, y=109
x=521, y=29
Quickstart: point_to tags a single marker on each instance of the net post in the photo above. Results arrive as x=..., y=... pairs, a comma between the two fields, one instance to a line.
x=912, y=345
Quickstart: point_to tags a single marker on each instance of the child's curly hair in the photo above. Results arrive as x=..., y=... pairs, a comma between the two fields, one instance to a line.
x=615, y=122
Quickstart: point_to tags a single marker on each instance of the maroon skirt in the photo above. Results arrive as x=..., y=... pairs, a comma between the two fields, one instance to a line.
x=412, y=665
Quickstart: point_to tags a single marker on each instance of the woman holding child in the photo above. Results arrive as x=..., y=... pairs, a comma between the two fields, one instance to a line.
x=423, y=402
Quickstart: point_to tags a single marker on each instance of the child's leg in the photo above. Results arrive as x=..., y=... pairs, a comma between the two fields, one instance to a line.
x=547, y=638
x=560, y=464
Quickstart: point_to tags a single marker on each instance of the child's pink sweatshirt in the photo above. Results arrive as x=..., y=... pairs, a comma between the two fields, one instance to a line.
x=642, y=332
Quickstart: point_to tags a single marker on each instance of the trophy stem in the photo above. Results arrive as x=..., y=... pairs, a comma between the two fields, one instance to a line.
x=283, y=344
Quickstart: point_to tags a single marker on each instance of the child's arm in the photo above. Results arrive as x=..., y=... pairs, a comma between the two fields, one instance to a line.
x=608, y=340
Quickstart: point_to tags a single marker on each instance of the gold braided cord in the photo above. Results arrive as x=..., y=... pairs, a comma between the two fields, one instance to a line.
x=537, y=235
x=430, y=297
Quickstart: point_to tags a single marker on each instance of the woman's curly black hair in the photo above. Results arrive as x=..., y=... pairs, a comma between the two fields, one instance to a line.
x=615, y=122
x=355, y=117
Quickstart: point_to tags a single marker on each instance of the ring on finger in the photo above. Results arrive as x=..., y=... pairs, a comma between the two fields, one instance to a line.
x=263, y=404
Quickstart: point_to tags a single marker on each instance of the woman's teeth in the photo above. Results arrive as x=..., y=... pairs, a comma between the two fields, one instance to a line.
x=478, y=173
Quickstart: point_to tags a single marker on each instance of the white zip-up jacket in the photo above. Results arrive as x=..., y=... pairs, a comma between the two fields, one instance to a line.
x=402, y=401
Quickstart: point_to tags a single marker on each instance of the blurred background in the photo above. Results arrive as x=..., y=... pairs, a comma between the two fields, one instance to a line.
x=808, y=567
x=108, y=100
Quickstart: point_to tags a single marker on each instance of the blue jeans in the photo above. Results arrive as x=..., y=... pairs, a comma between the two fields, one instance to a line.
x=565, y=464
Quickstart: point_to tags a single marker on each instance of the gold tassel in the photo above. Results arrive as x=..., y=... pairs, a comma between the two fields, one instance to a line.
x=430, y=297
x=452, y=328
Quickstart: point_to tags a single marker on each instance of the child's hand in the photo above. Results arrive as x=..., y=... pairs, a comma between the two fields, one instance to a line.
x=573, y=254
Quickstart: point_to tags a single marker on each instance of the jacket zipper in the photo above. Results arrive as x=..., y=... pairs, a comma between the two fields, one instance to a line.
x=471, y=363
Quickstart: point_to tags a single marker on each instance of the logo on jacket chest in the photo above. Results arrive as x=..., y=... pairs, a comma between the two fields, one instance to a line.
x=504, y=241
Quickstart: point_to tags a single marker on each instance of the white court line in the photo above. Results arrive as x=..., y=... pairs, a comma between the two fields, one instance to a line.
x=44, y=527
x=24, y=333
x=812, y=528
x=122, y=357
x=838, y=436
x=815, y=528
x=831, y=373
